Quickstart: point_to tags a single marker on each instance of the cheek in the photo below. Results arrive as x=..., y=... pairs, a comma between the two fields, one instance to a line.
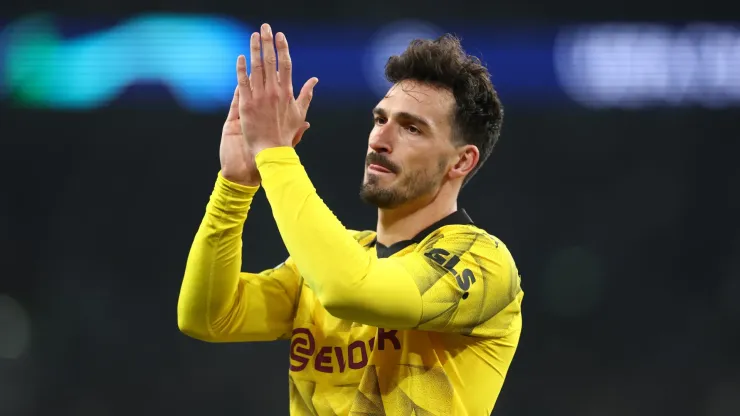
x=423, y=161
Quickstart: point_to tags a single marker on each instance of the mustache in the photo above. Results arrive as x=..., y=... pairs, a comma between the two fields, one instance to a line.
x=381, y=160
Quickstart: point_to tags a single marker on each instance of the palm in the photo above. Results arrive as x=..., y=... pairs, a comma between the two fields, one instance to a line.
x=232, y=128
x=237, y=162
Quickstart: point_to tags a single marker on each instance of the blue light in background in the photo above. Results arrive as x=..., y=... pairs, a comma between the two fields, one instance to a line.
x=193, y=58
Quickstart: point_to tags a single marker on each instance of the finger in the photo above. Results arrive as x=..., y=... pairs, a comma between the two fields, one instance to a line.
x=250, y=76
x=304, y=98
x=258, y=69
x=243, y=90
x=234, y=109
x=285, y=65
x=268, y=56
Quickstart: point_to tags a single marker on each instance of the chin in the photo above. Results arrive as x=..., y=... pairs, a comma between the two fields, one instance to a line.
x=374, y=180
x=384, y=197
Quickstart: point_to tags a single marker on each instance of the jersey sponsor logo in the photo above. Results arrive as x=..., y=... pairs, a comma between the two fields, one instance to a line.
x=464, y=279
x=337, y=359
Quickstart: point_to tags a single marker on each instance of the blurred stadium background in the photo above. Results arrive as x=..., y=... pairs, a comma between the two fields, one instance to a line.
x=616, y=185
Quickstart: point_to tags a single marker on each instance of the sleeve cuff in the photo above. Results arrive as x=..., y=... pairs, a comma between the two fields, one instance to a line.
x=232, y=197
x=276, y=154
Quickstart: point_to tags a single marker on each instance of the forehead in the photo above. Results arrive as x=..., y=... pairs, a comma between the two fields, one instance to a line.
x=432, y=103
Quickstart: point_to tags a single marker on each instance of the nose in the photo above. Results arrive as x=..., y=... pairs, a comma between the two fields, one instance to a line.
x=381, y=140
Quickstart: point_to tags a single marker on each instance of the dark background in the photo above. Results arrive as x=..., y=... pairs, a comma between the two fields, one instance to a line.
x=624, y=224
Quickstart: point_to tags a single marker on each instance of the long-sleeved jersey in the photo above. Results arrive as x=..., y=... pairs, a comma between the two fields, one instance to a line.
x=427, y=326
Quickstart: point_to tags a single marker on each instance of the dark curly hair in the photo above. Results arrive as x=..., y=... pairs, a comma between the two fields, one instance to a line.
x=478, y=113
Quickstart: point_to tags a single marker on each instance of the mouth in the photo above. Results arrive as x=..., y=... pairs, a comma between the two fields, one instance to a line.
x=378, y=169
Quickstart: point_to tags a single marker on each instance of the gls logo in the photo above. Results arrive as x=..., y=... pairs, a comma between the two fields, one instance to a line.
x=442, y=257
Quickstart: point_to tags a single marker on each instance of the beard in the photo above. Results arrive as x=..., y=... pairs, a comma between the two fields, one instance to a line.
x=408, y=186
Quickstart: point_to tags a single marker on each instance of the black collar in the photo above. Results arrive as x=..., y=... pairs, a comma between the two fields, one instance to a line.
x=457, y=217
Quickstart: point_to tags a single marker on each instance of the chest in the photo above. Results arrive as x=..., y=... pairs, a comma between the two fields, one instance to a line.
x=327, y=348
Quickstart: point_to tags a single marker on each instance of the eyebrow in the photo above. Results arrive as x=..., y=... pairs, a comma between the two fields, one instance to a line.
x=378, y=111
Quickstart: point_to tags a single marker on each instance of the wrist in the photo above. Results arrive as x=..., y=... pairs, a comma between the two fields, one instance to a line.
x=256, y=150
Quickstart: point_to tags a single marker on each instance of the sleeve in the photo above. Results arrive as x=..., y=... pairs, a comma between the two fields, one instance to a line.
x=217, y=302
x=426, y=289
x=468, y=282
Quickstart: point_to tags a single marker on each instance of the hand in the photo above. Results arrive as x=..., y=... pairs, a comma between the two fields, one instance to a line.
x=236, y=153
x=269, y=114
x=237, y=159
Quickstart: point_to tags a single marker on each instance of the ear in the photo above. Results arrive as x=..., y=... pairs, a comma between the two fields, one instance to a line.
x=467, y=159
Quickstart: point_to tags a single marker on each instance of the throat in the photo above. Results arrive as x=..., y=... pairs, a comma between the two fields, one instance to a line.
x=399, y=225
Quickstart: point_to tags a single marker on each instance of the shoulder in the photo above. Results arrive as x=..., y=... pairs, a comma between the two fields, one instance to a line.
x=471, y=253
x=460, y=239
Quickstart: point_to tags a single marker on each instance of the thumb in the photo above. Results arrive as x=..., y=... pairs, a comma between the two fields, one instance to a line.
x=234, y=108
x=299, y=134
x=304, y=98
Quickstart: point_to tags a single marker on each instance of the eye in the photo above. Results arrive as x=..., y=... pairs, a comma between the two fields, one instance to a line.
x=379, y=120
x=413, y=129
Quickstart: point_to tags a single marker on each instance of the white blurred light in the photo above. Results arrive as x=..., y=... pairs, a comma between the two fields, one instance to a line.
x=637, y=65
x=392, y=39
x=15, y=327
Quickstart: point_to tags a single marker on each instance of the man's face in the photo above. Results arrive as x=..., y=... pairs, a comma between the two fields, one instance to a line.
x=410, y=147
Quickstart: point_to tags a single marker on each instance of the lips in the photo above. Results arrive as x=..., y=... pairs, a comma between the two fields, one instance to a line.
x=378, y=168
x=379, y=163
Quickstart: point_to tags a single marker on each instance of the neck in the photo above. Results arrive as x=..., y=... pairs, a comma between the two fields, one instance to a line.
x=405, y=222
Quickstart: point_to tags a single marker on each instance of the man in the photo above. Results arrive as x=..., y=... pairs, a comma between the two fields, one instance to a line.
x=422, y=316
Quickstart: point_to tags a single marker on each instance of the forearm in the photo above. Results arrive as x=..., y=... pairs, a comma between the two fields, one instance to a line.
x=211, y=277
x=349, y=282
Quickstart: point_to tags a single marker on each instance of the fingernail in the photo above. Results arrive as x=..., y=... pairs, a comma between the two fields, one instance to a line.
x=280, y=37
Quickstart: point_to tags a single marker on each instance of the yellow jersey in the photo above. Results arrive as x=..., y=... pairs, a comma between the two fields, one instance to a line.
x=427, y=326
